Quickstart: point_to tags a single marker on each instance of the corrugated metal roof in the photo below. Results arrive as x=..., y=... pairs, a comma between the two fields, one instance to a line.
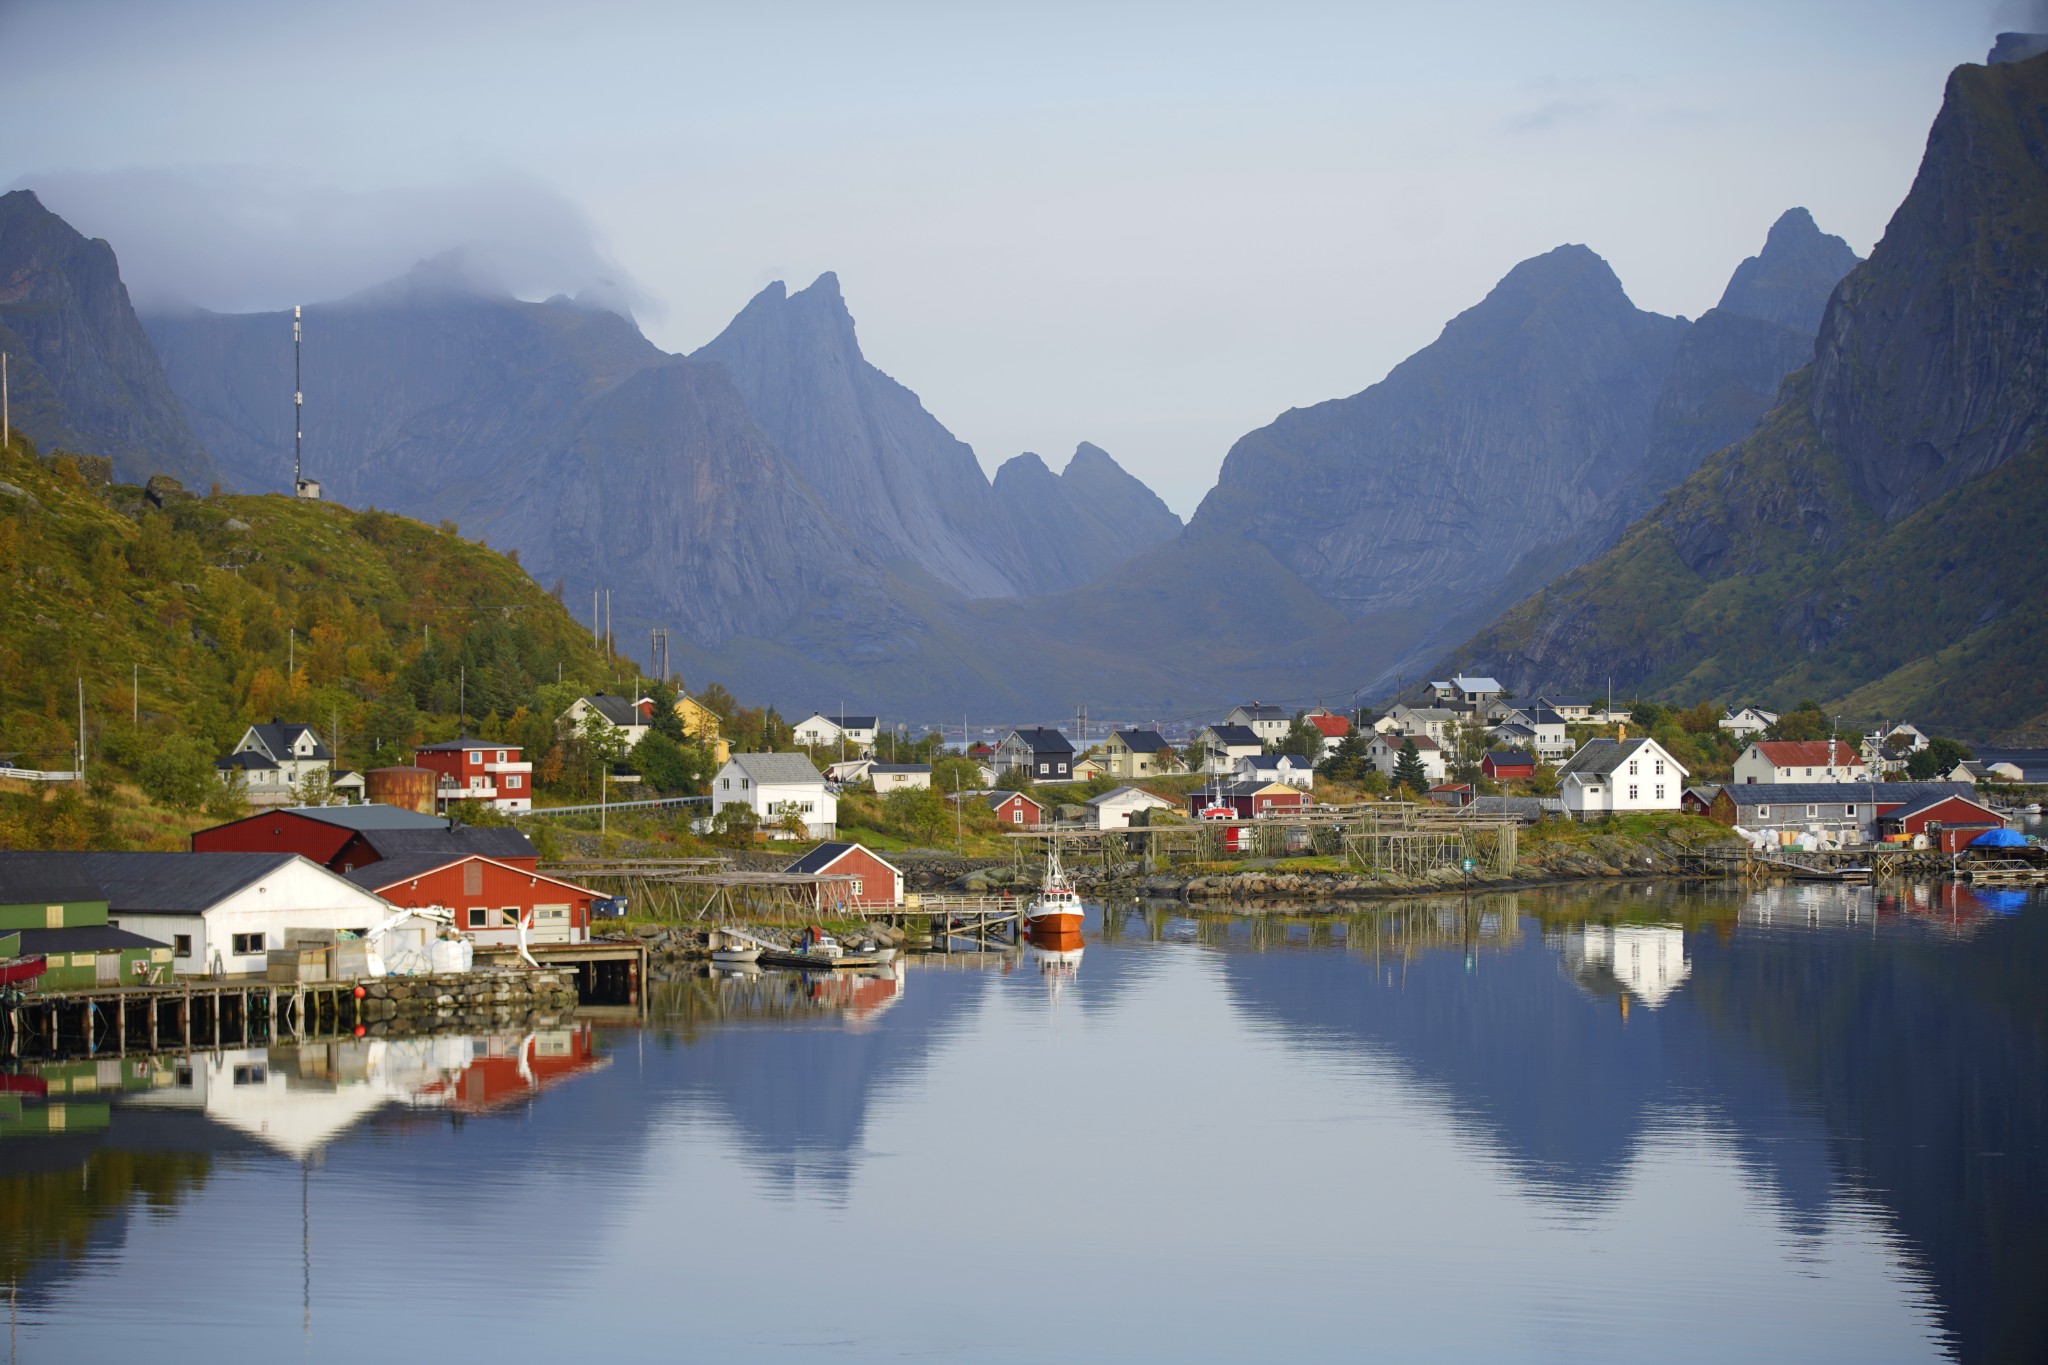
x=87, y=938
x=373, y=815
x=136, y=883
x=779, y=769
x=491, y=841
x=821, y=858
x=1847, y=793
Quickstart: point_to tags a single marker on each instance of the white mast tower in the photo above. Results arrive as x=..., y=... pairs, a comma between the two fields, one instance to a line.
x=301, y=485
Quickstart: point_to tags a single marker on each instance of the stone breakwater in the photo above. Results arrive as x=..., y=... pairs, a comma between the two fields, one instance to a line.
x=465, y=997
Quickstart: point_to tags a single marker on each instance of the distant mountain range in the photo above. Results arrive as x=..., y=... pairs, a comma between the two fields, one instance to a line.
x=1875, y=541
x=814, y=535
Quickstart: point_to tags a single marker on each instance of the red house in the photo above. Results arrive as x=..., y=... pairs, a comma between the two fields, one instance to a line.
x=489, y=898
x=1014, y=808
x=1950, y=822
x=1452, y=794
x=344, y=838
x=875, y=882
x=479, y=770
x=1504, y=765
x=1332, y=728
x=1248, y=800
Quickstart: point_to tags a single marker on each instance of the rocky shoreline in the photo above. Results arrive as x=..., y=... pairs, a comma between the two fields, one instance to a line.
x=407, y=1003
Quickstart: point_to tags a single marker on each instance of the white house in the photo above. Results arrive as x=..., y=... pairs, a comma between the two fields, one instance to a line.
x=1785, y=760
x=627, y=717
x=1224, y=745
x=1750, y=720
x=1384, y=753
x=1114, y=808
x=1608, y=775
x=274, y=760
x=1269, y=723
x=1295, y=772
x=222, y=913
x=1465, y=694
x=820, y=730
x=775, y=786
x=848, y=770
x=890, y=777
x=1433, y=722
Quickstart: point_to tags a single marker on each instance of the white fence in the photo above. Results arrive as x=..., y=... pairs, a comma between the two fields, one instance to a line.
x=37, y=775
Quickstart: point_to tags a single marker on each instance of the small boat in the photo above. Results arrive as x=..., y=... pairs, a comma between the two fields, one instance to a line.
x=2031, y=808
x=735, y=955
x=1057, y=905
x=815, y=948
x=19, y=971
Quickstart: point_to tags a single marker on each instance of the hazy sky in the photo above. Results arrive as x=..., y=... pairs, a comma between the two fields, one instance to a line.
x=1149, y=226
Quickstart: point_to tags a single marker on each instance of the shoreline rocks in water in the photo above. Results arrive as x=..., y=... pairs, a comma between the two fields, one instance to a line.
x=465, y=997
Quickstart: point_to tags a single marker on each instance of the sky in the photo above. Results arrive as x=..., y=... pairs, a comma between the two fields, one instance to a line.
x=1150, y=226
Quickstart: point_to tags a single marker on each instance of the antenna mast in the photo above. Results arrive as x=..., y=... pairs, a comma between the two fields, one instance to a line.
x=302, y=487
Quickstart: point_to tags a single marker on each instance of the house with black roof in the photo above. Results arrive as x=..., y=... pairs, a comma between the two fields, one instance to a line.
x=1041, y=753
x=274, y=760
x=1138, y=753
x=48, y=910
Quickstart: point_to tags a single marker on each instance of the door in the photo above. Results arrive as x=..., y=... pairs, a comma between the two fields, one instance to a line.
x=106, y=969
x=550, y=924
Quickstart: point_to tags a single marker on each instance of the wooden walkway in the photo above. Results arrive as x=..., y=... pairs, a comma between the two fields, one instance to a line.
x=179, y=1016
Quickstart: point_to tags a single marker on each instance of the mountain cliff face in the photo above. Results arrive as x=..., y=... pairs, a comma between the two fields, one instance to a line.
x=885, y=466
x=1789, y=281
x=81, y=373
x=1872, y=541
x=1082, y=522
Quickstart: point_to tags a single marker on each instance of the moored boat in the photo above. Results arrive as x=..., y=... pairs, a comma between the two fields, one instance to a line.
x=1057, y=905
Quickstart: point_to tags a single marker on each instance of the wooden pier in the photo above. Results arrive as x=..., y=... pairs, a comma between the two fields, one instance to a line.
x=179, y=1016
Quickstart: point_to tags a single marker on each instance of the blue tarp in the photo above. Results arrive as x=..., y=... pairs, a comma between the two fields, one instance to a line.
x=1999, y=838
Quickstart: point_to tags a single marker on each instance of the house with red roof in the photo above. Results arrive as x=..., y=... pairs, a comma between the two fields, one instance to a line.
x=1800, y=760
x=1333, y=729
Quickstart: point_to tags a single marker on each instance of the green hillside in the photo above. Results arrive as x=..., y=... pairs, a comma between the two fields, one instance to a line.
x=187, y=621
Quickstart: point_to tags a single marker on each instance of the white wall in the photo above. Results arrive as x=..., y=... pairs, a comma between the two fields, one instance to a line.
x=300, y=895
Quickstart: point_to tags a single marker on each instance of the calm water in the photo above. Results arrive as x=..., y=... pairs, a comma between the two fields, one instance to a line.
x=1802, y=1124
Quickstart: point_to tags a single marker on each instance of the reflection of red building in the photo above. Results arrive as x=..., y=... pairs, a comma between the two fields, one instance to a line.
x=510, y=1067
x=489, y=898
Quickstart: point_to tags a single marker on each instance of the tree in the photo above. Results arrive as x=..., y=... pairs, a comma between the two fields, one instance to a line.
x=178, y=774
x=1468, y=748
x=1347, y=763
x=736, y=822
x=1195, y=755
x=1543, y=781
x=1408, y=768
x=919, y=810
x=1804, y=721
x=1939, y=757
x=667, y=766
x=719, y=702
x=951, y=773
x=1014, y=779
x=229, y=799
x=665, y=721
x=1303, y=740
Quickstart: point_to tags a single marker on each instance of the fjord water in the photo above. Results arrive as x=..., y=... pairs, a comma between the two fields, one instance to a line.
x=1794, y=1123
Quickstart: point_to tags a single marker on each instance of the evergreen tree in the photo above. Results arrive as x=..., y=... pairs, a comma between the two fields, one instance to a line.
x=1408, y=768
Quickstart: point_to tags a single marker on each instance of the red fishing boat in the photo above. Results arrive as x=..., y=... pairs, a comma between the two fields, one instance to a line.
x=19, y=971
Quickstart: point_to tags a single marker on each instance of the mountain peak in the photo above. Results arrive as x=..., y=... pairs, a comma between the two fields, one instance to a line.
x=1789, y=281
x=2016, y=47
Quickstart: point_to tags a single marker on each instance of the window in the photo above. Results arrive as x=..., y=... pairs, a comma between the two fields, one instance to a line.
x=1660, y=791
x=479, y=917
x=512, y=781
x=858, y=884
x=476, y=755
x=745, y=783
x=476, y=784
x=1812, y=812
x=1809, y=772
x=181, y=945
x=254, y=1073
x=1016, y=815
x=1660, y=767
x=1631, y=791
x=248, y=943
x=1763, y=812
x=1631, y=767
x=725, y=783
x=1849, y=811
x=1043, y=770
x=501, y=755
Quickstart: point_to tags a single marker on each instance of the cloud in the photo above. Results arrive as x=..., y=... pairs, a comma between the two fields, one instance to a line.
x=235, y=239
x=2023, y=16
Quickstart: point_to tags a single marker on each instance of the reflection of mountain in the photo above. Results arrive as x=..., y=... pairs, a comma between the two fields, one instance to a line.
x=1892, y=1063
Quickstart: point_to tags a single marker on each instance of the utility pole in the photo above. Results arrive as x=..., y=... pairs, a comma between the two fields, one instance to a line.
x=461, y=699
x=6, y=422
x=79, y=771
x=135, y=697
x=291, y=651
x=610, y=640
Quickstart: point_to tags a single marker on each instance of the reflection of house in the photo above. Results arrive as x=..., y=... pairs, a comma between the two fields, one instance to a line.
x=479, y=770
x=1647, y=961
x=221, y=913
x=509, y=1068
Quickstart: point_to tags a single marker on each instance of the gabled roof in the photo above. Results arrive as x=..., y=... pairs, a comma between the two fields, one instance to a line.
x=1466, y=684
x=371, y=815
x=997, y=799
x=780, y=770
x=1930, y=799
x=1543, y=715
x=820, y=859
x=490, y=841
x=87, y=938
x=899, y=767
x=1332, y=727
x=1234, y=736
x=1141, y=741
x=1513, y=732
x=449, y=746
x=409, y=866
x=248, y=760
x=1561, y=700
x=842, y=721
x=139, y=883
x=1512, y=758
x=56, y=883
x=621, y=711
x=1249, y=786
x=1261, y=711
x=1423, y=743
x=1275, y=762
x=1808, y=753
x=1042, y=740
x=1842, y=793
x=278, y=736
x=1126, y=793
x=1604, y=757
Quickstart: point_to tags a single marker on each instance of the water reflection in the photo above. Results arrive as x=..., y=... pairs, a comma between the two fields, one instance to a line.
x=1628, y=1112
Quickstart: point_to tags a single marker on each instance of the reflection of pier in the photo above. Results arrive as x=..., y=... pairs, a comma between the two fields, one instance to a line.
x=1397, y=837
x=1394, y=929
x=749, y=995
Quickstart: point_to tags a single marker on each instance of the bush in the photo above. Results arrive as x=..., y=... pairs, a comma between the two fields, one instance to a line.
x=178, y=774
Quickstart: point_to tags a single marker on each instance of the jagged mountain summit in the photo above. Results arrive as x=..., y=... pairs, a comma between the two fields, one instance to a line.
x=1875, y=542
x=1085, y=520
x=1789, y=281
x=81, y=373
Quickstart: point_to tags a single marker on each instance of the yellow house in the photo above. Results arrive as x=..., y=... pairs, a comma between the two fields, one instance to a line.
x=700, y=723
